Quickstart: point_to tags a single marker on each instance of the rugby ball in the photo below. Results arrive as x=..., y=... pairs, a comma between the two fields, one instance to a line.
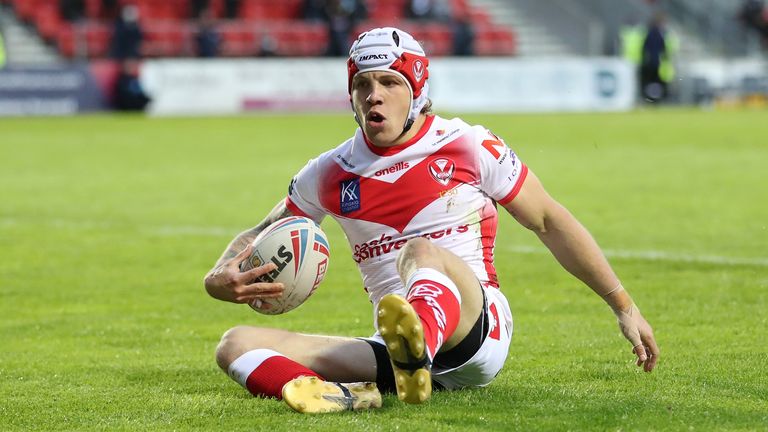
x=300, y=250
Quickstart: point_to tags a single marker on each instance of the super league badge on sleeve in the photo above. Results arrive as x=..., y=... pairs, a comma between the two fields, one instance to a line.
x=350, y=195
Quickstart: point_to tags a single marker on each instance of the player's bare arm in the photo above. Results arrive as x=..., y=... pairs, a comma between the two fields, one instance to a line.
x=226, y=282
x=577, y=251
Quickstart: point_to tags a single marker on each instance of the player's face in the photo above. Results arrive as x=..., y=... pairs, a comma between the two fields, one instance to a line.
x=382, y=101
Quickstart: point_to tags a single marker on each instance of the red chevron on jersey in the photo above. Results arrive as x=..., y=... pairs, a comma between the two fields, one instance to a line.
x=442, y=185
x=395, y=204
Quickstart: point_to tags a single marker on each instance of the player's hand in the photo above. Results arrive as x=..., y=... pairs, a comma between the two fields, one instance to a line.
x=226, y=282
x=640, y=334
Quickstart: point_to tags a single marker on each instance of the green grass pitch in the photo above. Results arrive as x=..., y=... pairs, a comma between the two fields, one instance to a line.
x=108, y=224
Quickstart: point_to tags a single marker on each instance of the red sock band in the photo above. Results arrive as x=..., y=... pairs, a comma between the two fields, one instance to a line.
x=267, y=372
x=439, y=310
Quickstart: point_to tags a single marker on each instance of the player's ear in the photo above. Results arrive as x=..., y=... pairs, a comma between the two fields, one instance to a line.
x=354, y=112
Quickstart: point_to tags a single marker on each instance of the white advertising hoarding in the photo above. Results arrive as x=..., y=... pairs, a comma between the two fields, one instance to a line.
x=532, y=85
x=221, y=87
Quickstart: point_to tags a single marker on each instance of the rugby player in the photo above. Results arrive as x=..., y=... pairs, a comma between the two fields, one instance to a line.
x=417, y=198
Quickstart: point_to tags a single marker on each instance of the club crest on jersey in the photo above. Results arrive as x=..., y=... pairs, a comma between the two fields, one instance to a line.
x=349, y=191
x=418, y=70
x=442, y=170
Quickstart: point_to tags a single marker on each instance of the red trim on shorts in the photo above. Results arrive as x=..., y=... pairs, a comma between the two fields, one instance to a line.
x=515, y=190
x=296, y=211
x=389, y=151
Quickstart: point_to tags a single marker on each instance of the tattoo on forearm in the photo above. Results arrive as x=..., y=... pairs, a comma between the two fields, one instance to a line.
x=246, y=237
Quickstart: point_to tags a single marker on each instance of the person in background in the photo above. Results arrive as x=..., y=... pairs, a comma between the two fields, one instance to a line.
x=267, y=46
x=231, y=8
x=657, y=70
x=72, y=10
x=207, y=37
x=129, y=95
x=198, y=8
x=463, y=37
x=419, y=9
x=126, y=40
x=342, y=17
x=314, y=10
x=754, y=15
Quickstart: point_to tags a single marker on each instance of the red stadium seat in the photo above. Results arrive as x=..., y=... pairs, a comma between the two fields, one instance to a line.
x=66, y=41
x=284, y=10
x=98, y=38
x=25, y=9
x=299, y=39
x=86, y=39
x=48, y=20
x=93, y=9
x=390, y=10
x=479, y=16
x=167, y=39
x=459, y=8
x=435, y=38
x=169, y=28
x=217, y=8
x=494, y=41
x=238, y=39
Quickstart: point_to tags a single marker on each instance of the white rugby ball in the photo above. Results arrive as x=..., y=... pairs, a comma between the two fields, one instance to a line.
x=300, y=250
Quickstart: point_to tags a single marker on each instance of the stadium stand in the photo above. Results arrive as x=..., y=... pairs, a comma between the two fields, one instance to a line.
x=260, y=27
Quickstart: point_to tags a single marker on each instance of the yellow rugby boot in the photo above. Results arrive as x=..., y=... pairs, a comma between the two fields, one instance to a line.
x=401, y=329
x=311, y=395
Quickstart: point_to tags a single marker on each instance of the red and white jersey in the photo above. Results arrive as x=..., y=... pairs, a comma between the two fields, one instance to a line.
x=442, y=185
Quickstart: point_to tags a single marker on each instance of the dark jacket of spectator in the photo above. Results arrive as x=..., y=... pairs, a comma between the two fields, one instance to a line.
x=342, y=17
x=654, y=47
x=753, y=14
x=72, y=10
x=314, y=10
x=129, y=96
x=198, y=7
x=207, y=38
x=463, y=37
x=231, y=8
x=127, y=37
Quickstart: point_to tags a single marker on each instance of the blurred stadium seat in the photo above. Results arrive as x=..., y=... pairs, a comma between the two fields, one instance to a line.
x=170, y=30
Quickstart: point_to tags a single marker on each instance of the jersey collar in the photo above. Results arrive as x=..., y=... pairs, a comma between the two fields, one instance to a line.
x=389, y=151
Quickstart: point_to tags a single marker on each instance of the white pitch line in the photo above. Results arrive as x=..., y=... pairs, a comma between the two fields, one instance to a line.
x=218, y=231
x=163, y=230
x=657, y=255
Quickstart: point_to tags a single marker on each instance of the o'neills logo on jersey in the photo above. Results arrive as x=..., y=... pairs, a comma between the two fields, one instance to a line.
x=442, y=170
x=393, y=169
x=384, y=244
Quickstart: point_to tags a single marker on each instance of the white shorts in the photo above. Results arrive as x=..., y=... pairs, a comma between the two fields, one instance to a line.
x=488, y=360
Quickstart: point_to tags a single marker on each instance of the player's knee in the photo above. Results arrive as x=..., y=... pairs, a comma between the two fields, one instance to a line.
x=234, y=343
x=417, y=252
